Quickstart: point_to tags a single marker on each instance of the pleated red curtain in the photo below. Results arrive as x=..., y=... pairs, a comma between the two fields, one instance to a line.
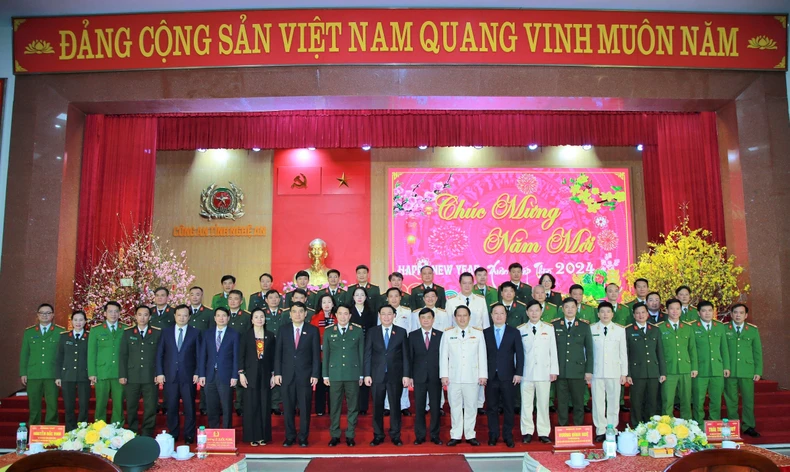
x=117, y=183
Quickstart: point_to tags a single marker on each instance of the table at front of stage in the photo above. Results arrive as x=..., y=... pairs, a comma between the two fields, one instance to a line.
x=543, y=461
x=213, y=463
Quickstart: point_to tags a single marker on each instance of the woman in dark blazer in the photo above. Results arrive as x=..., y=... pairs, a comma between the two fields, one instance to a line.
x=256, y=367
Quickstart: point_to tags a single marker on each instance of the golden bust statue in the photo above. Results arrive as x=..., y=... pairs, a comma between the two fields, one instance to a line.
x=317, y=270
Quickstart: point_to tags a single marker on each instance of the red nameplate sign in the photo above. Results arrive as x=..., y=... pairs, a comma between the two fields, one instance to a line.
x=713, y=430
x=314, y=37
x=221, y=440
x=46, y=434
x=571, y=437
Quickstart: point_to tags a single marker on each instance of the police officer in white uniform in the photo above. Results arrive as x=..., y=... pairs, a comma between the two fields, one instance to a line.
x=610, y=370
x=541, y=368
x=463, y=366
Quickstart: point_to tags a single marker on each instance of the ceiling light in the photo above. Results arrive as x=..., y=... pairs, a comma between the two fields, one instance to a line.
x=311, y=149
x=587, y=147
x=201, y=150
x=256, y=149
x=532, y=147
x=366, y=147
x=422, y=147
x=639, y=147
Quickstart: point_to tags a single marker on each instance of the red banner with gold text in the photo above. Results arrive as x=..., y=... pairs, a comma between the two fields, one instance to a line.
x=399, y=36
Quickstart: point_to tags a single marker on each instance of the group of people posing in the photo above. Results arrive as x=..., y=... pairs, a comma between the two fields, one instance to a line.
x=515, y=350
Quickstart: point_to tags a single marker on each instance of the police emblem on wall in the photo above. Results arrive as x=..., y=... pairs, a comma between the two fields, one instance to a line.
x=222, y=202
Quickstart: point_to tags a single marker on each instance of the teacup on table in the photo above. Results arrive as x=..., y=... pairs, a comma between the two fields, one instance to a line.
x=577, y=459
x=182, y=452
x=730, y=445
x=36, y=448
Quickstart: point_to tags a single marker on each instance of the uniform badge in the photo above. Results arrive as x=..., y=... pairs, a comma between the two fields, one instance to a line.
x=222, y=202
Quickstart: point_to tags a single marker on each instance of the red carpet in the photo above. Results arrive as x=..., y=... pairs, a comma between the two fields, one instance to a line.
x=772, y=408
x=456, y=463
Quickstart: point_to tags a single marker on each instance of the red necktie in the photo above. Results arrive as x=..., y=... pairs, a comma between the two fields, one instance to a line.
x=296, y=339
x=427, y=341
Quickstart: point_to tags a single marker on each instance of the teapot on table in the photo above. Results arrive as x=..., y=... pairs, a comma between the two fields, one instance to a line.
x=627, y=443
x=166, y=443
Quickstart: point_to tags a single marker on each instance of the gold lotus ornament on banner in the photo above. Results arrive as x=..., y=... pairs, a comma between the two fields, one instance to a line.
x=761, y=42
x=222, y=202
x=39, y=47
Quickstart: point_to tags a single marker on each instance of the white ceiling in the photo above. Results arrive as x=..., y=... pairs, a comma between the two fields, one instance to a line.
x=10, y=8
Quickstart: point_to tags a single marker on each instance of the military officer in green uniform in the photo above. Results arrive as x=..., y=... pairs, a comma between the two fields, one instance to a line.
x=549, y=282
x=258, y=299
x=338, y=294
x=137, y=370
x=516, y=310
x=714, y=362
x=575, y=357
x=689, y=312
x=396, y=281
x=642, y=289
x=37, y=366
x=104, y=349
x=300, y=295
x=680, y=355
x=343, y=349
x=162, y=314
x=363, y=280
x=302, y=281
x=549, y=311
x=523, y=291
x=482, y=288
x=240, y=319
x=221, y=299
x=200, y=316
x=746, y=367
x=583, y=311
x=72, y=370
x=417, y=293
x=646, y=366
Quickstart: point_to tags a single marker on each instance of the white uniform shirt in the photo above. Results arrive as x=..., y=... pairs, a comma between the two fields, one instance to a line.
x=610, y=353
x=441, y=318
x=462, y=357
x=477, y=307
x=540, y=352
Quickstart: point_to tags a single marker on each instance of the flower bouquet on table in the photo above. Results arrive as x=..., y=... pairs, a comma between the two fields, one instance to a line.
x=98, y=438
x=665, y=436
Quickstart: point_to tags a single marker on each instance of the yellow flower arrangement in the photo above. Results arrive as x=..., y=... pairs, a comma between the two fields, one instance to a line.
x=664, y=429
x=97, y=426
x=91, y=437
x=681, y=431
x=687, y=257
x=666, y=419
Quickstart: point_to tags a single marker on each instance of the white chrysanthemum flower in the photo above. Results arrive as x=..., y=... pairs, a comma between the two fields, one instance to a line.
x=653, y=436
x=655, y=418
x=671, y=440
x=641, y=429
x=107, y=432
x=117, y=442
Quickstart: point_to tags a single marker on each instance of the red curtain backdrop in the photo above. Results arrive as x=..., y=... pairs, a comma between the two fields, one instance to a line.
x=681, y=161
x=117, y=183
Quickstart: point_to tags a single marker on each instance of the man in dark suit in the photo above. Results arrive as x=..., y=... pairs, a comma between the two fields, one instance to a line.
x=177, y=371
x=505, y=366
x=218, y=368
x=424, y=367
x=386, y=369
x=297, y=366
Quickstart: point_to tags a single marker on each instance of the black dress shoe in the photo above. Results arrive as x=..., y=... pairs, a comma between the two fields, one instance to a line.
x=417, y=442
x=600, y=438
x=405, y=412
x=473, y=442
x=625, y=409
x=437, y=441
x=276, y=412
x=376, y=442
x=552, y=409
x=510, y=443
x=363, y=412
x=544, y=439
x=397, y=442
x=491, y=442
x=501, y=410
x=441, y=413
x=752, y=432
x=288, y=443
x=386, y=412
x=334, y=442
x=350, y=442
x=453, y=442
x=526, y=439
x=203, y=412
x=239, y=411
x=481, y=411
x=587, y=409
x=302, y=443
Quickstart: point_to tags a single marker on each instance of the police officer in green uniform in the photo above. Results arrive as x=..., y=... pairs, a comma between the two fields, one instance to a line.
x=104, y=349
x=646, y=366
x=583, y=311
x=221, y=299
x=200, y=316
x=72, y=370
x=300, y=295
x=302, y=281
x=258, y=299
x=642, y=289
x=162, y=314
x=549, y=311
x=622, y=312
x=415, y=301
x=138, y=370
x=746, y=367
x=714, y=362
x=276, y=316
x=575, y=357
x=689, y=312
x=680, y=355
x=516, y=310
x=36, y=366
x=343, y=349
x=333, y=289
x=523, y=291
x=482, y=288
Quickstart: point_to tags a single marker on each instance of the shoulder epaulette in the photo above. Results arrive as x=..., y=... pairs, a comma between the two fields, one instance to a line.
x=128, y=328
x=688, y=322
x=519, y=302
x=628, y=326
x=478, y=295
x=475, y=327
x=452, y=296
x=555, y=319
x=449, y=328
x=692, y=306
x=156, y=328
x=549, y=303
x=357, y=325
x=523, y=324
x=618, y=324
x=440, y=309
x=374, y=285
x=286, y=309
x=492, y=304
x=547, y=324
x=655, y=324
x=583, y=320
x=753, y=326
x=65, y=332
x=31, y=327
x=717, y=321
x=59, y=326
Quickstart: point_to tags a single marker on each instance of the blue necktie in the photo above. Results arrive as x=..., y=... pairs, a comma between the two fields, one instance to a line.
x=498, y=337
x=386, y=338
